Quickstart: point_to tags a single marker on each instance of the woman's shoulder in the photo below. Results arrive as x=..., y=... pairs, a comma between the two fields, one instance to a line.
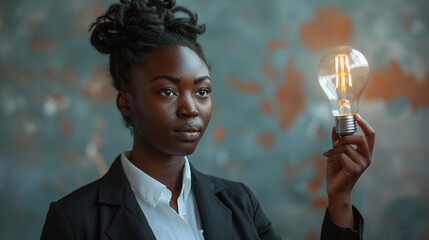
x=229, y=188
x=231, y=184
x=82, y=195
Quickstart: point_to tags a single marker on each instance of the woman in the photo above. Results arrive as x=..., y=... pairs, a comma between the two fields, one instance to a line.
x=152, y=192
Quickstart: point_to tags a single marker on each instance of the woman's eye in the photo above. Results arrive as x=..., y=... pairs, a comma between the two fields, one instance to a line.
x=204, y=92
x=166, y=92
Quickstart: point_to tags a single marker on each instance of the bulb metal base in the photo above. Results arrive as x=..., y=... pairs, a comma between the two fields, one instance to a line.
x=345, y=125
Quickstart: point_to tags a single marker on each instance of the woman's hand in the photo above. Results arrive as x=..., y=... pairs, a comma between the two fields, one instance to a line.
x=345, y=164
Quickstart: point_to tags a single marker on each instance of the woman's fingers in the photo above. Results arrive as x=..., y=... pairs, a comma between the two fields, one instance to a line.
x=360, y=142
x=349, y=167
x=351, y=154
x=342, y=173
x=335, y=137
x=367, y=130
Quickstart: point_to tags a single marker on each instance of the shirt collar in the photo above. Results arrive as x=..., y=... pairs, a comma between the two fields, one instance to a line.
x=186, y=180
x=149, y=189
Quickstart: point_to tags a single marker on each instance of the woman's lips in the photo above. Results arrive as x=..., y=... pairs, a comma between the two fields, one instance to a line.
x=188, y=133
x=187, y=136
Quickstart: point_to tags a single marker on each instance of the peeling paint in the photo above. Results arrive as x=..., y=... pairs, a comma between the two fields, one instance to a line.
x=329, y=28
x=393, y=82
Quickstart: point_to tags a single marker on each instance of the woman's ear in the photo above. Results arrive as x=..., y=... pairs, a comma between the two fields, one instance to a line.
x=123, y=103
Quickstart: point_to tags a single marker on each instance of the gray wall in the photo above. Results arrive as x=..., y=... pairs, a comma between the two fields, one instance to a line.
x=60, y=128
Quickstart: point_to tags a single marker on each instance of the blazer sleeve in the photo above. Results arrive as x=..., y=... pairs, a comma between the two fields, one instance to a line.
x=260, y=220
x=331, y=231
x=56, y=224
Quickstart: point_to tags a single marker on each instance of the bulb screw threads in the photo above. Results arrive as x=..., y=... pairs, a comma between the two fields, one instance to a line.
x=345, y=125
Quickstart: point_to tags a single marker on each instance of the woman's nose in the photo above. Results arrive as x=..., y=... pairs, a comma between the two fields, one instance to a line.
x=187, y=106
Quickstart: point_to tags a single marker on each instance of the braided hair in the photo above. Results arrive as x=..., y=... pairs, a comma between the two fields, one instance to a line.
x=131, y=29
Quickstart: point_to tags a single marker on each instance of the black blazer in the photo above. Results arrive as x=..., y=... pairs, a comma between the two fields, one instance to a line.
x=108, y=209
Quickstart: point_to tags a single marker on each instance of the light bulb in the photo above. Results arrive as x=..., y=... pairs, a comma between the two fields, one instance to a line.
x=343, y=75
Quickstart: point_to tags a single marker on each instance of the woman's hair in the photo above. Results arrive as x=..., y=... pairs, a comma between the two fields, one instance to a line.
x=131, y=29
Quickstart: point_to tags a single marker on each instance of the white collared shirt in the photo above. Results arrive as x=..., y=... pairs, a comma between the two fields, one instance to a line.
x=154, y=200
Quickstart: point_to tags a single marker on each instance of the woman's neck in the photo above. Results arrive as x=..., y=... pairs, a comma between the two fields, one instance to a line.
x=166, y=169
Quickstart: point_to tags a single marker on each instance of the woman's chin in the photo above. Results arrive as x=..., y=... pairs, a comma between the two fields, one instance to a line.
x=185, y=152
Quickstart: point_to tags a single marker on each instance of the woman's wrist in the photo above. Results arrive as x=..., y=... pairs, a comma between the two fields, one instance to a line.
x=340, y=210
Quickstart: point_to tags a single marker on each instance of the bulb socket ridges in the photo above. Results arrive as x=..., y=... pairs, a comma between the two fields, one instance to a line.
x=345, y=125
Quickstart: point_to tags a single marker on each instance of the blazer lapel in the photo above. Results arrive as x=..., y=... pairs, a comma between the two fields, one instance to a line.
x=129, y=221
x=215, y=217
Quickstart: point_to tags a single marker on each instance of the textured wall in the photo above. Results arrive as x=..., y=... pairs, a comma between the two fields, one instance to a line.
x=60, y=128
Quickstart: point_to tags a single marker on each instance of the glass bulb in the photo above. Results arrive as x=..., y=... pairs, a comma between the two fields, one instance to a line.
x=343, y=75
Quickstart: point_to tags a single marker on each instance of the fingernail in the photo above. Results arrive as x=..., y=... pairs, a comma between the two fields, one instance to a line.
x=325, y=153
x=358, y=116
x=339, y=142
x=335, y=142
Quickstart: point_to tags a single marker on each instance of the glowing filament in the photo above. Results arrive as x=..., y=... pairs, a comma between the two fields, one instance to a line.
x=342, y=70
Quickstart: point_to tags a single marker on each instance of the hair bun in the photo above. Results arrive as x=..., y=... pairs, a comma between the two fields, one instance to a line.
x=136, y=24
x=100, y=38
x=164, y=4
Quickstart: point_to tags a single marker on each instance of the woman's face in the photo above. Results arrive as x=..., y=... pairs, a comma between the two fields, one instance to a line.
x=171, y=105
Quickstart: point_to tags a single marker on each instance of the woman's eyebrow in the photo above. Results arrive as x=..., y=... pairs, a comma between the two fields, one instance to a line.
x=202, y=78
x=177, y=80
x=169, y=78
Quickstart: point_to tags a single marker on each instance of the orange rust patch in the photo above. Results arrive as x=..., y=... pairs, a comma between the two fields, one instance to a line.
x=97, y=10
x=320, y=134
x=319, y=203
x=266, y=140
x=269, y=71
x=328, y=28
x=233, y=166
x=265, y=107
x=245, y=14
x=99, y=123
x=41, y=44
x=275, y=44
x=68, y=76
x=312, y=236
x=272, y=46
x=97, y=140
x=218, y=133
x=96, y=156
x=66, y=128
x=290, y=171
x=244, y=86
x=289, y=97
x=394, y=82
x=84, y=19
x=71, y=156
x=318, y=177
x=98, y=86
x=408, y=22
x=49, y=74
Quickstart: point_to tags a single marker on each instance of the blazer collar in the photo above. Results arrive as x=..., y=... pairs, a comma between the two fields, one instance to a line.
x=216, y=218
x=129, y=221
